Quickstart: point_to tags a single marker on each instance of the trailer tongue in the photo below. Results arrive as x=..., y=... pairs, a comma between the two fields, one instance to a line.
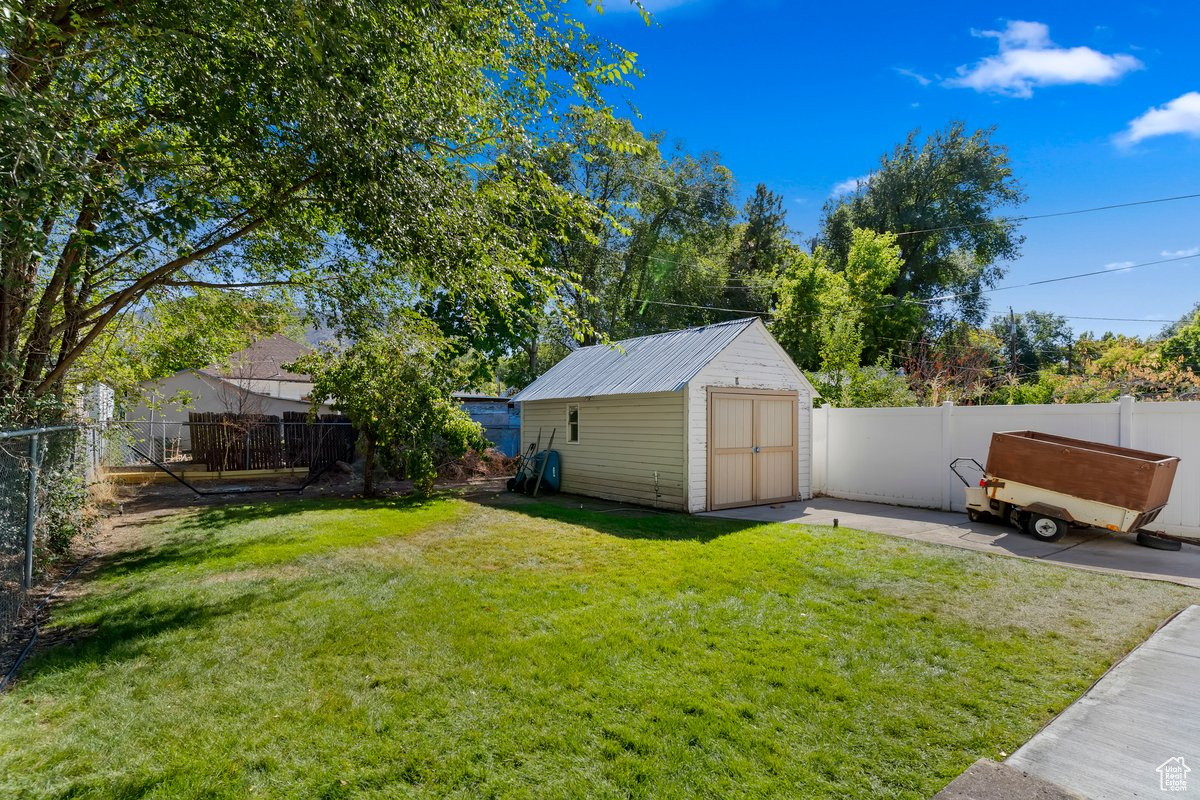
x=1043, y=483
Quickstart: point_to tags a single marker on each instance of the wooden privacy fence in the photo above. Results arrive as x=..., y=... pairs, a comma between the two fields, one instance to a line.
x=227, y=442
x=317, y=445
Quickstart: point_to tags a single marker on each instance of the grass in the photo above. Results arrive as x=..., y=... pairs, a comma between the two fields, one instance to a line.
x=342, y=649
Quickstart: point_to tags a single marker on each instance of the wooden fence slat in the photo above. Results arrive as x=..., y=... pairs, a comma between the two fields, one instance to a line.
x=227, y=442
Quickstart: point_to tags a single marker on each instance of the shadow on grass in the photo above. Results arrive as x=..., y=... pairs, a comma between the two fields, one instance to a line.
x=196, y=538
x=219, y=517
x=626, y=522
x=130, y=624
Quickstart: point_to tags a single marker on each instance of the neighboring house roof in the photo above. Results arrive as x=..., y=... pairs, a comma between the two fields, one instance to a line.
x=664, y=362
x=262, y=360
x=464, y=396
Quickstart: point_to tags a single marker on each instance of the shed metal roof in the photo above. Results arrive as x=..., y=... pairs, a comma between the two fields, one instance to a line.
x=664, y=362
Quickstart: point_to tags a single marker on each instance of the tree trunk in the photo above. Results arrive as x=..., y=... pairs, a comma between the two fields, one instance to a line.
x=369, y=468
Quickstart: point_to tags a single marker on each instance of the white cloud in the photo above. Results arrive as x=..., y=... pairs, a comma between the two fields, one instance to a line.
x=849, y=185
x=1181, y=115
x=1119, y=266
x=916, y=76
x=1029, y=59
x=1191, y=251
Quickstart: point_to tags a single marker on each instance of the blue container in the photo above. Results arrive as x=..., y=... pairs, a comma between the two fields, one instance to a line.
x=528, y=478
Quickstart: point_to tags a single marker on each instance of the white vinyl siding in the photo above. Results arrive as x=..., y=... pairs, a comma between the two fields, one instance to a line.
x=627, y=444
x=751, y=361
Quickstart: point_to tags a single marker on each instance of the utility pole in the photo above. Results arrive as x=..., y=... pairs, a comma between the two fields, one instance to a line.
x=1012, y=344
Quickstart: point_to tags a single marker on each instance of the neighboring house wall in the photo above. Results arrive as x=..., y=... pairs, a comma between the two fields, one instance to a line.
x=501, y=421
x=166, y=403
x=751, y=361
x=288, y=390
x=628, y=445
x=902, y=455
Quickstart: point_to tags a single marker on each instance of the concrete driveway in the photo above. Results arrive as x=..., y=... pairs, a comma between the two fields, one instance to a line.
x=1089, y=549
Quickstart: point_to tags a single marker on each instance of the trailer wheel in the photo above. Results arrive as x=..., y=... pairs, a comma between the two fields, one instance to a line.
x=1018, y=519
x=1048, y=529
x=1157, y=542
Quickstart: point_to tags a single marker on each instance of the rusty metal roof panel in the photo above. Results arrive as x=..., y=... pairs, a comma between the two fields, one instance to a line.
x=664, y=362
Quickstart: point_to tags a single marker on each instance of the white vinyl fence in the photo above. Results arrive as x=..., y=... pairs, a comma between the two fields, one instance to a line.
x=902, y=455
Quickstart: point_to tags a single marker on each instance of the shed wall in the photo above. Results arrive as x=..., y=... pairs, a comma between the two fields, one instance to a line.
x=628, y=445
x=751, y=361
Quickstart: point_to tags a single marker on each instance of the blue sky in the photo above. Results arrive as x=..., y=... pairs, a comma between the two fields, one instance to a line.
x=1098, y=103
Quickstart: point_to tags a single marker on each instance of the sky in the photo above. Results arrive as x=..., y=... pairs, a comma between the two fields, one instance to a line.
x=1097, y=102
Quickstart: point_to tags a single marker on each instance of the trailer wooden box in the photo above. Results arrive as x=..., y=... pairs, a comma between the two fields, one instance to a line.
x=1117, y=476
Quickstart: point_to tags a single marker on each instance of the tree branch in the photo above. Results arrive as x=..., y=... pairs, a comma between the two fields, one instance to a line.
x=119, y=300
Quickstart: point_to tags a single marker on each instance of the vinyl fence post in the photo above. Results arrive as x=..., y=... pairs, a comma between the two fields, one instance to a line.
x=1125, y=432
x=825, y=407
x=947, y=453
x=31, y=505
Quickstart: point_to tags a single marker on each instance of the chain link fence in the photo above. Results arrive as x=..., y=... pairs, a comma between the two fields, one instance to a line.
x=44, y=478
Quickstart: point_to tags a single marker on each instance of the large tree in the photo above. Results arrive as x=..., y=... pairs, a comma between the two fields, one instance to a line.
x=1182, y=340
x=762, y=248
x=941, y=197
x=811, y=291
x=659, y=240
x=368, y=148
x=395, y=384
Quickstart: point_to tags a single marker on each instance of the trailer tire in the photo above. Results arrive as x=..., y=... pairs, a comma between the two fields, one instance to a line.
x=1157, y=542
x=975, y=515
x=1018, y=519
x=1047, y=529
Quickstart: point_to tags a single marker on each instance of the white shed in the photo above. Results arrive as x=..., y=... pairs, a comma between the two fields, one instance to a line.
x=694, y=420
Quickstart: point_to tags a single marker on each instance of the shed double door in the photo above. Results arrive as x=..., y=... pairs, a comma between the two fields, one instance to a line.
x=751, y=448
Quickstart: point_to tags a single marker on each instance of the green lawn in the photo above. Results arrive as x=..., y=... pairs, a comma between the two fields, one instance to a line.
x=343, y=649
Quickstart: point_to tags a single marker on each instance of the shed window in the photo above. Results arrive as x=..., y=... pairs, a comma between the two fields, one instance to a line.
x=572, y=423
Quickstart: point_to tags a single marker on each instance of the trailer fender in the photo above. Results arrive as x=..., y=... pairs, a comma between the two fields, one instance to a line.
x=1048, y=510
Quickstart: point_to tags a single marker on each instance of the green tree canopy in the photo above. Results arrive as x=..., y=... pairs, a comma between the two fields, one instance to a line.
x=810, y=290
x=940, y=197
x=760, y=252
x=188, y=331
x=659, y=242
x=366, y=150
x=1038, y=339
x=1182, y=345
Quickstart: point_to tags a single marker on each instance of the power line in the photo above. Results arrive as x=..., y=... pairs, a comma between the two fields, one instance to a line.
x=1022, y=218
x=944, y=298
x=709, y=308
x=1027, y=217
x=1044, y=281
x=1118, y=319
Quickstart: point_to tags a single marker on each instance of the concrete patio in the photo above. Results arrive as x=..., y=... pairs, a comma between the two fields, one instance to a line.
x=1088, y=549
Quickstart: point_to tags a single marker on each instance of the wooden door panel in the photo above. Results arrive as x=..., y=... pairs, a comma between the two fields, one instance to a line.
x=774, y=422
x=734, y=426
x=774, y=472
x=731, y=451
x=733, y=479
x=752, y=448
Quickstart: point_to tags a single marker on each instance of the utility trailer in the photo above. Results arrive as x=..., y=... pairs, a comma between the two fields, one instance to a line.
x=1042, y=484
